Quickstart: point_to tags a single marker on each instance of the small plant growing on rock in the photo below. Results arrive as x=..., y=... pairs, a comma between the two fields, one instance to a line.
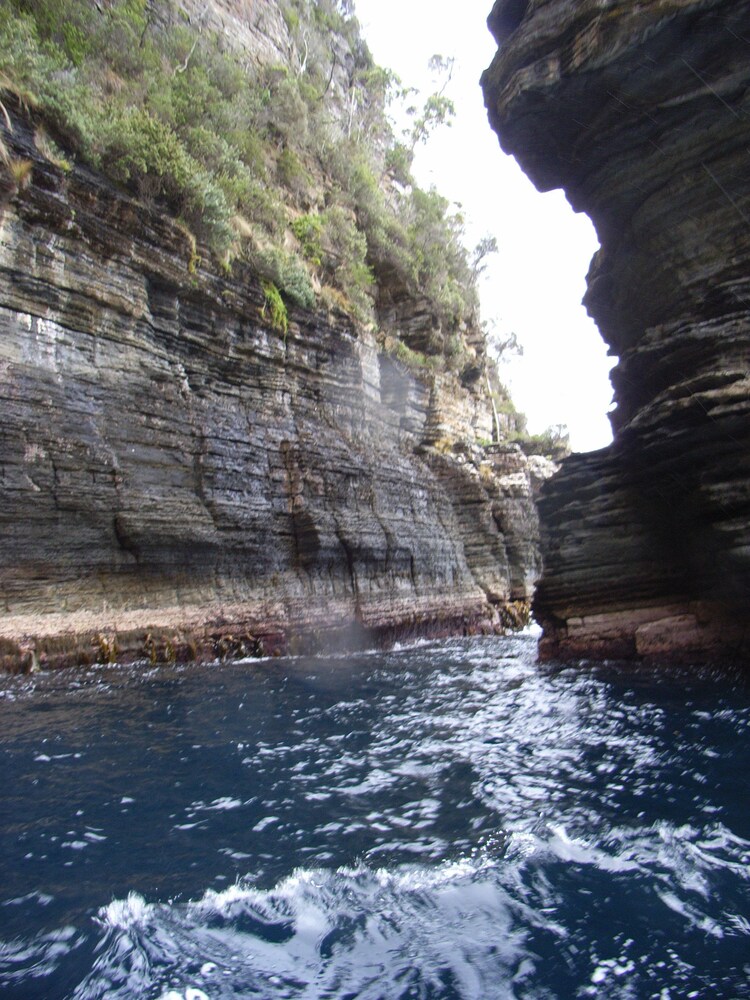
x=21, y=172
x=274, y=308
x=308, y=229
x=51, y=151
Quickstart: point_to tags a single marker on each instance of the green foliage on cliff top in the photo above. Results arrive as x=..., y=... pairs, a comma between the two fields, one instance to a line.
x=253, y=159
x=552, y=443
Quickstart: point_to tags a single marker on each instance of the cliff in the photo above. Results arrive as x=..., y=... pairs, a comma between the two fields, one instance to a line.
x=179, y=477
x=641, y=113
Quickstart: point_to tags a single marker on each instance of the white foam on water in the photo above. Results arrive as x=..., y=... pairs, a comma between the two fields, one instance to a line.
x=191, y=993
x=125, y=914
x=581, y=852
x=218, y=805
x=263, y=823
x=350, y=931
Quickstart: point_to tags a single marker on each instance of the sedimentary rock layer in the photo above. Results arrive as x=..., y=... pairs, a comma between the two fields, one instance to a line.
x=179, y=478
x=641, y=112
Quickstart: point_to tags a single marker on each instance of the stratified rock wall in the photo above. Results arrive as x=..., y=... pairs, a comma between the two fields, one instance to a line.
x=178, y=478
x=641, y=112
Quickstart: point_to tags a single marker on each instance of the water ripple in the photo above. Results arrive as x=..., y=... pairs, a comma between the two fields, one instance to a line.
x=445, y=821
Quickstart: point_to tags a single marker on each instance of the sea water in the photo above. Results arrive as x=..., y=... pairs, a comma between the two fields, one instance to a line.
x=451, y=820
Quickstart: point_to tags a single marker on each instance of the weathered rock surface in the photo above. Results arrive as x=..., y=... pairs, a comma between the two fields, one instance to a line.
x=179, y=479
x=641, y=112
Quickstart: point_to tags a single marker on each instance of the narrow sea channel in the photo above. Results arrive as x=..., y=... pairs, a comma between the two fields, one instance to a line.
x=450, y=820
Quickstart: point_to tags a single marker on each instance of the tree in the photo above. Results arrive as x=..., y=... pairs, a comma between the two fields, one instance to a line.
x=501, y=344
x=438, y=109
x=484, y=248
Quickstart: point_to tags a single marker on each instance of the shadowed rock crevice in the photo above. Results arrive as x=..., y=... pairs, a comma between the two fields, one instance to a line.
x=641, y=112
x=506, y=16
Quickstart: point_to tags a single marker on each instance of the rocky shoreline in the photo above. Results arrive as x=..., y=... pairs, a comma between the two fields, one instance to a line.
x=219, y=634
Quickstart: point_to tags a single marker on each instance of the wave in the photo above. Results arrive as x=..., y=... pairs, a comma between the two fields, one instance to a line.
x=367, y=933
x=480, y=928
x=498, y=925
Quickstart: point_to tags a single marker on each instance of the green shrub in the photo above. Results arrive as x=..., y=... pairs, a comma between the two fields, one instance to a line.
x=552, y=443
x=345, y=258
x=135, y=147
x=309, y=230
x=435, y=245
x=285, y=116
x=326, y=15
x=286, y=272
x=415, y=360
x=62, y=23
x=274, y=309
x=291, y=17
x=398, y=160
x=292, y=173
x=205, y=209
x=25, y=65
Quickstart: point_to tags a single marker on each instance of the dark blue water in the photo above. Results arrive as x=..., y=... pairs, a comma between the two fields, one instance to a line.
x=448, y=821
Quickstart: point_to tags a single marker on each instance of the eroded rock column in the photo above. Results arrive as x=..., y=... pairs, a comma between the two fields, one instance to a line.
x=641, y=112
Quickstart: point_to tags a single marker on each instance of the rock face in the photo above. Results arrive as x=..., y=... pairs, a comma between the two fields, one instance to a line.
x=178, y=478
x=641, y=112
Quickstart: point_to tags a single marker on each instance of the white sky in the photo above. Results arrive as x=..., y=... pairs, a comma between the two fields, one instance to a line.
x=534, y=286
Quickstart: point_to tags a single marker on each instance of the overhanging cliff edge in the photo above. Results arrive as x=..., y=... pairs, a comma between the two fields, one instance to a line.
x=641, y=113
